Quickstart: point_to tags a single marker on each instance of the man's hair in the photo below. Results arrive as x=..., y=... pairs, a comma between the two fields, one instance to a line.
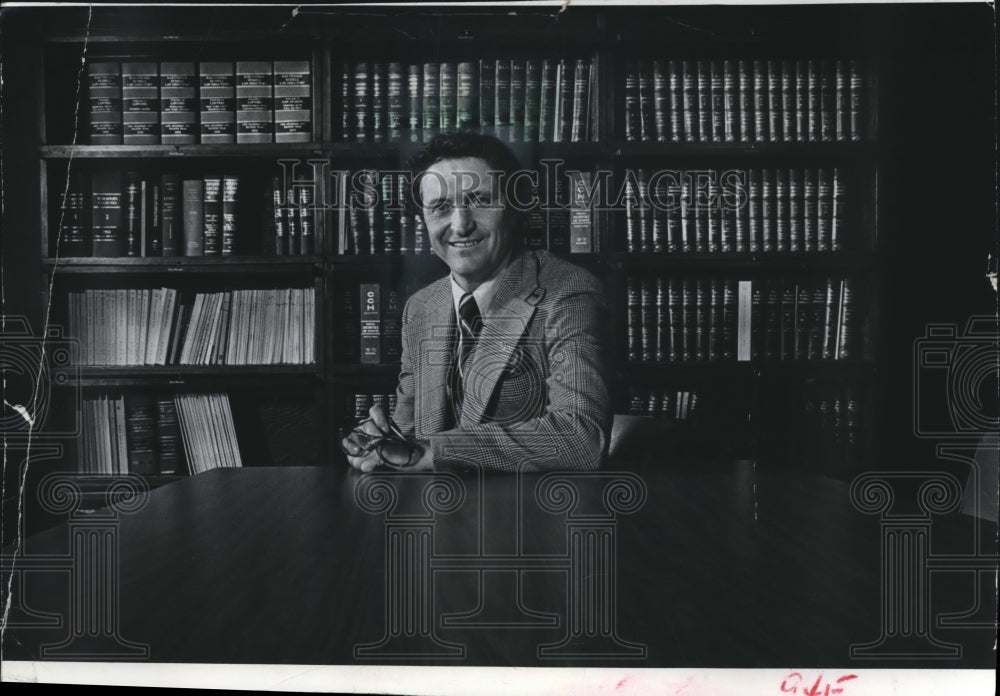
x=446, y=146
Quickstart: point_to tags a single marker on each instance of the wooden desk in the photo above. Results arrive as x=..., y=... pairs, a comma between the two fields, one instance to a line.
x=721, y=566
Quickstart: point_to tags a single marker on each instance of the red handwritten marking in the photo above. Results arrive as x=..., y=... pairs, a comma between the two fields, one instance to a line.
x=621, y=683
x=793, y=684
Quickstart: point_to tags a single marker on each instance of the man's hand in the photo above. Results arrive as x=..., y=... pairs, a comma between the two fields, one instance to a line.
x=396, y=451
x=357, y=440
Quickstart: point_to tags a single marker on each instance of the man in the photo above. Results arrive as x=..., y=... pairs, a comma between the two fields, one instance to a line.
x=503, y=361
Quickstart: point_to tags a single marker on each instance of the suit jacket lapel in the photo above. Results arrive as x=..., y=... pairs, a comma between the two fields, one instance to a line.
x=435, y=340
x=503, y=325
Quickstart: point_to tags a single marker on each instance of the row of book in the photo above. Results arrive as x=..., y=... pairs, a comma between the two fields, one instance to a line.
x=725, y=101
x=740, y=210
x=666, y=404
x=517, y=100
x=182, y=102
x=357, y=405
x=381, y=224
x=671, y=320
x=164, y=326
x=835, y=432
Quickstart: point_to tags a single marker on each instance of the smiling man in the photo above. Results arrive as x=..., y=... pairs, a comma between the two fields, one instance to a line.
x=503, y=361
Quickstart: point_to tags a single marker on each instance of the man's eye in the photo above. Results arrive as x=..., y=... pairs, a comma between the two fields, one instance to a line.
x=441, y=208
x=480, y=200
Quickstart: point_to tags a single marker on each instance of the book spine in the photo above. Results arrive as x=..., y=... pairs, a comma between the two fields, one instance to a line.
x=845, y=336
x=730, y=102
x=305, y=210
x=645, y=219
x=449, y=97
x=704, y=83
x=178, y=104
x=532, y=100
x=390, y=219
x=431, y=100
x=714, y=214
x=547, y=98
x=788, y=101
x=647, y=320
x=772, y=320
x=768, y=210
x=676, y=96
x=801, y=101
x=702, y=315
x=347, y=116
x=564, y=103
x=795, y=209
x=515, y=118
x=717, y=80
x=293, y=229
x=756, y=326
x=502, y=99
x=647, y=127
x=132, y=210
x=828, y=102
x=104, y=97
x=781, y=187
x=362, y=102
x=754, y=207
x=675, y=319
x=414, y=93
x=715, y=337
x=633, y=320
x=254, y=102
x=658, y=193
x=838, y=226
x=379, y=111
x=660, y=105
x=217, y=100
x=662, y=345
x=581, y=101
x=824, y=210
x=815, y=100
x=76, y=231
x=371, y=319
x=774, y=102
x=170, y=216
x=212, y=216
x=788, y=295
x=580, y=218
x=809, y=221
x=803, y=321
x=856, y=100
x=292, y=101
x=467, y=93
x=744, y=69
x=230, y=197
x=106, y=220
x=632, y=231
x=673, y=216
x=557, y=225
x=140, y=103
x=392, y=326
x=487, y=95
x=817, y=324
x=688, y=317
x=760, y=102
x=168, y=436
x=730, y=319
x=396, y=102
x=193, y=215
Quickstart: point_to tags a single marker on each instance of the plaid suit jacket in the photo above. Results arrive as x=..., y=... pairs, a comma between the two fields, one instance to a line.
x=536, y=393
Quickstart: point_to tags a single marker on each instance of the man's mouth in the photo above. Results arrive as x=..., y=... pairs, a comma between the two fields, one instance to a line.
x=465, y=243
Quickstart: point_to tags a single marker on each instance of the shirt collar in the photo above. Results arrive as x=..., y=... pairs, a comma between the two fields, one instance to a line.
x=484, y=294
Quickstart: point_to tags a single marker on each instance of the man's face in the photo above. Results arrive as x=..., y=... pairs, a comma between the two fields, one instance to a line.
x=467, y=223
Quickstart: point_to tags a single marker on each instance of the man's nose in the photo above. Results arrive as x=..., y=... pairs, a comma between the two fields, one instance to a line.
x=462, y=220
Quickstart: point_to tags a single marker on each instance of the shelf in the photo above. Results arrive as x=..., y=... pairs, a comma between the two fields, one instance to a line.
x=842, y=149
x=189, y=375
x=365, y=260
x=364, y=373
x=847, y=261
x=184, y=264
x=243, y=150
x=700, y=369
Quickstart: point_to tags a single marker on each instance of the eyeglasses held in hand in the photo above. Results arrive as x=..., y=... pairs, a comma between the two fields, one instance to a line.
x=387, y=447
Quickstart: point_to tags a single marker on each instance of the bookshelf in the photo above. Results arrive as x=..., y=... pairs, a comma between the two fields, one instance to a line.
x=365, y=112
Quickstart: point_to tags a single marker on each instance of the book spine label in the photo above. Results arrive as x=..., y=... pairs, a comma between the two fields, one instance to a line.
x=193, y=214
x=178, y=104
x=106, y=221
x=254, y=102
x=292, y=101
x=371, y=319
x=212, y=216
x=104, y=96
x=140, y=103
x=217, y=100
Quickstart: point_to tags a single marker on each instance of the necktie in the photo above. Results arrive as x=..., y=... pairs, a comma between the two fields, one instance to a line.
x=470, y=323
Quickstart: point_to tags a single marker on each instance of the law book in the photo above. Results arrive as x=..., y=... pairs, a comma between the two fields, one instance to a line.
x=838, y=213
x=675, y=319
x=392, y=325
x=661, y=349
x=502, y=99
x=647, y=125
x=741, y=215
x=276, y=210
x=104, y=98
x=856, y=99
x=810, y=227
x=768, y=210
x=789, y=292
x=701, y=223
x=212, y=215
x=515, y=119
x=715, y=319
x=75, y=232
x=254, y=101
x=347, y=101
x=293, y=227
x=379, y=103
x=106, y=216
x=581, y=102
x=178, y=103
x=647, y=330
x=557, y=231
x=532, y=100
x=292, y=101
x=396, y=102
x=846, y=325
x=467, y=95
x=842, y=98
x=448, y=85
x=217, y=101
x=718, y=101
x=676, y=101
x=747, y=101
x=803, y=320
x=535, y=238
x=140, y=103
x=633, y=231
x=487, y=95
x=305, y=212
x=564, y=103
x=756, y=321
x=581, y=224
x=390, y=217
x=152, y=212
x=659, y=125
x=828, y=101
x=788, y=132
x=774, y=101
x=645, y=212
x=431, y=100
x=371, y=323
x=818, y=326
x=801, y=101
x=730, y=319
x=814, y=103
x=703, y=326
x=547, y=101
x=131, y=208
x=781, y=189
x=658, y=192
x=362, y=106
x=760, y=102
x=754, y=210
x=824, y=209
x=714, y=215
x=633, y=319
x=414, y=74
x=673, y=217
x=730, y=102
x=230, y=198
x=632, y=110
x=703, y=76
x=795, y=210
x=687, y=220
x=689, y=92
x=193, y=216
x=772, y=319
